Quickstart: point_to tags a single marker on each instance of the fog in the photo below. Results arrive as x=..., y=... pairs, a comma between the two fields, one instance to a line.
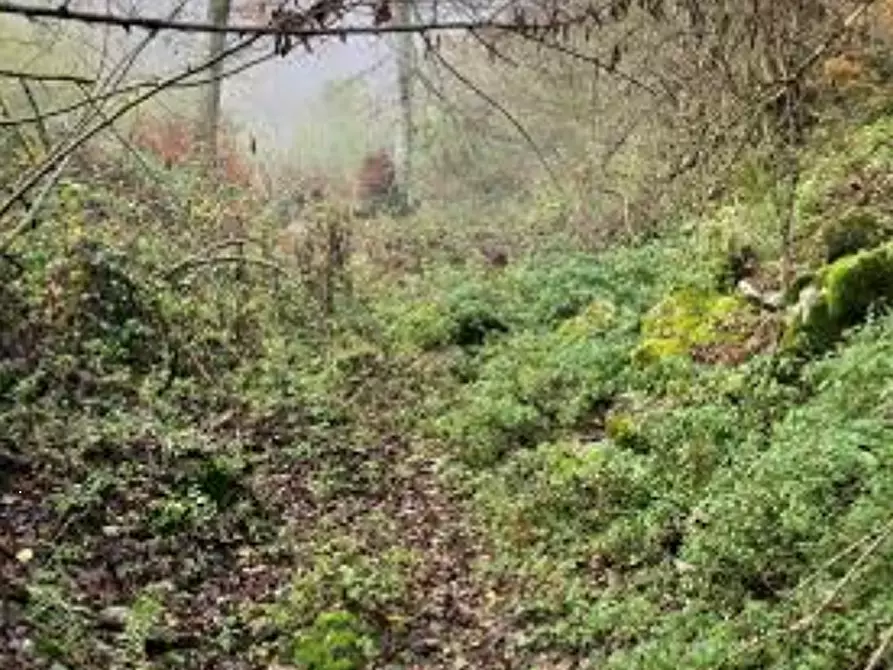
x=277, y=101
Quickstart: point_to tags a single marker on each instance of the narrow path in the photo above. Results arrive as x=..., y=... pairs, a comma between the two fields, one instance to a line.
x=310, y=490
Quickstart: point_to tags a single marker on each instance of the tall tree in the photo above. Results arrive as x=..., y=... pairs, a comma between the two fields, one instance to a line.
x=404, y=139
x=218, y=15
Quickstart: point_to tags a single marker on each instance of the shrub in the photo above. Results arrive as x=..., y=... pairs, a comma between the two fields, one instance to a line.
x=337, y=640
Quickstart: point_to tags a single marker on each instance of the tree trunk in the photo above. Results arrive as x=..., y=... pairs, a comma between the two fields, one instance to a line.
x=209, y=124
x=404, y=143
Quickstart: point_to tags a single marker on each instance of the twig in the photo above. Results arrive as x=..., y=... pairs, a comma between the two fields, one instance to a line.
x=234, y=242
x=35, y=109
x=36, y=76
x=807, y=621
x=23, y=138
x=843, y=553
x=752, y=114
x=131, y=88
x=592, y=60
x=198, y=262
x=31, y=215
x=502, y=110
x=878, y=656
x=153, y=172
x=118, y=72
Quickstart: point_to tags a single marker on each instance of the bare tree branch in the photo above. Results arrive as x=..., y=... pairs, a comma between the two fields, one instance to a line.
x=598, y=62
x=154, y=25
x=502, y=110
x=751, y=114
x=874, y=663
x=20, y=132
x=35, y=109
x=36, y=76
x=132, y=88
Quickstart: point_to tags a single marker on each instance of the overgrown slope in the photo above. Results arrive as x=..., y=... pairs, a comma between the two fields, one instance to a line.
x=576, y=461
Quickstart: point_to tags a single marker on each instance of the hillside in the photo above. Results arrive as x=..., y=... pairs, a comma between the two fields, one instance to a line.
x=586, y=363
x=579, y=460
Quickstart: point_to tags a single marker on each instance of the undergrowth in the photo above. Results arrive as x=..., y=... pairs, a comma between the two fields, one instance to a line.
x=470, y=467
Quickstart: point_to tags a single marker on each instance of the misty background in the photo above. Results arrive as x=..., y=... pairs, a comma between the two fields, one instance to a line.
x=309, y=109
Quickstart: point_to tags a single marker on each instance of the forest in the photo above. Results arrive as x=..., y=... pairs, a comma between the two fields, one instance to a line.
x=573, y=351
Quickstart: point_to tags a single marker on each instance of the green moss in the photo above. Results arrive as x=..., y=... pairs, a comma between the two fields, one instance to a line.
x=689, y=318
x=856, y=283
x=846, y=290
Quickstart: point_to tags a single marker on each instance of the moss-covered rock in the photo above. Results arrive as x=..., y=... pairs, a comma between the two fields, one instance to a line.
x=688, y=319
x=840, y=298
x=856, y=231
x=798, y=284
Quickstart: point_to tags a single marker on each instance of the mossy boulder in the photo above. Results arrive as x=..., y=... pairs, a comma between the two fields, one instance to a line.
x=858, y=230
x=689, y=319
x=841, y=297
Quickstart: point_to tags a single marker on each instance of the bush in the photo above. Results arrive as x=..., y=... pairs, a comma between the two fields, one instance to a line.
x=336, y=641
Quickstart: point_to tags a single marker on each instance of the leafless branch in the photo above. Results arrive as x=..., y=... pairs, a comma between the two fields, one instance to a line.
x=874, y=663
x=155, y=25
x=132, y=88
x=502, y=110
x=37, y=76
x=751, y=114
x=20, y=132
x=593, y=60
x=35, y=109
x=30, y=218
x=857, y=566
x=202, y=261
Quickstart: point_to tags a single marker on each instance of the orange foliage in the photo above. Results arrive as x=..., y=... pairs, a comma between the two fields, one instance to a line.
x=376, y=178
x=885, y=16
x=843, y=70
x=173, y=141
